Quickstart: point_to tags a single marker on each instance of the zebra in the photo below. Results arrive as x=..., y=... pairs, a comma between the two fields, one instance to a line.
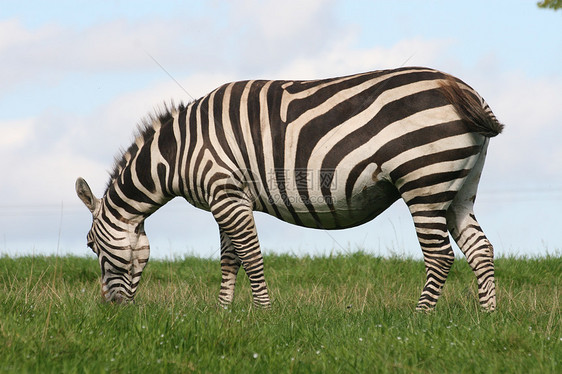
x=330, y=154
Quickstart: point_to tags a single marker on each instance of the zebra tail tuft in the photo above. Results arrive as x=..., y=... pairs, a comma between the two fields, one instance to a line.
x=476, y=113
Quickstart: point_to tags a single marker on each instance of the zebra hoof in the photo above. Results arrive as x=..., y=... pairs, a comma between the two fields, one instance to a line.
x=263, y=306
x=488, y=308
x=424, y=308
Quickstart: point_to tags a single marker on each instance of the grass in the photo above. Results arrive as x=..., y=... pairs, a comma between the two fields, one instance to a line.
x=340, y=314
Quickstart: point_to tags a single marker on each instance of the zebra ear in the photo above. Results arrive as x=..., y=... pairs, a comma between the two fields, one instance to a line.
x=85, y=194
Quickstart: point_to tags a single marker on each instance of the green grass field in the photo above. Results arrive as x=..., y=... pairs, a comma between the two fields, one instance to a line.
x=347, y=314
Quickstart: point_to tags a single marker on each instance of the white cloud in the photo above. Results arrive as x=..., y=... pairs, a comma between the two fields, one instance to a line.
x=14, y=34
x=282, y=20
x=534, y=102
x=15, y=133
x=36, y=170
x=49, y=53
x=249, y=41
x=343, y=58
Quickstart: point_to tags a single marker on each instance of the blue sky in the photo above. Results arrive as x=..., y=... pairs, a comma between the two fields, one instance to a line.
x=76, y=77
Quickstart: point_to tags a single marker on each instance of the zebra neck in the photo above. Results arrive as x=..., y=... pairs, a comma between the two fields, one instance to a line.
x=130, y=203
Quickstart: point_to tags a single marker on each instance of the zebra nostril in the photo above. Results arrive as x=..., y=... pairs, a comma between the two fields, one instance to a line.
x=119, y=297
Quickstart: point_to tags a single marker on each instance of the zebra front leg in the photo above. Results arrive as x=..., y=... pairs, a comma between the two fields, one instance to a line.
x=431, y=229
x=230, y=264
x=236, y=221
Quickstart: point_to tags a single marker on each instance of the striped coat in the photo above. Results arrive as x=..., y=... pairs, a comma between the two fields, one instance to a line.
x=328, y=154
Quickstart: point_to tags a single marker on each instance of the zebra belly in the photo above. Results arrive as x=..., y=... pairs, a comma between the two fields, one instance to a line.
x=336, y=211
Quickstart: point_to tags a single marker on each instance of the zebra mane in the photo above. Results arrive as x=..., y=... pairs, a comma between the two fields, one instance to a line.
x=146, y=129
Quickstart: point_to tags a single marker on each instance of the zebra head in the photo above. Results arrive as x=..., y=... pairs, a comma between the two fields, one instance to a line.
x=121, y=246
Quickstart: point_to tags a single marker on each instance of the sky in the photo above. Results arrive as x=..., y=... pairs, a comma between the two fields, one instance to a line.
x=76, y=77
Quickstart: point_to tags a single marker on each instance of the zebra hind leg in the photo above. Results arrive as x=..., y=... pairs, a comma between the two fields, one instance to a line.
x=431, y=229
x=479, y=252
x=470, y=238
x=230, y=264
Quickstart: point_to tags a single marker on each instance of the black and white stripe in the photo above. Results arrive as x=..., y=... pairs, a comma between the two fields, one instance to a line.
x=329, y=154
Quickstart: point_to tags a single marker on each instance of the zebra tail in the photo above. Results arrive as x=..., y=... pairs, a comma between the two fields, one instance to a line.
x=476, y=113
